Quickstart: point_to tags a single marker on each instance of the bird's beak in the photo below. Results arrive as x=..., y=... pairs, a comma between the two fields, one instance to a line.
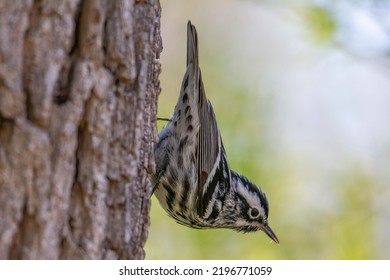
x=268, y=230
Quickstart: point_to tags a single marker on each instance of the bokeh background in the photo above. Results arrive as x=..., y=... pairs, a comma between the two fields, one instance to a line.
x=301, y=91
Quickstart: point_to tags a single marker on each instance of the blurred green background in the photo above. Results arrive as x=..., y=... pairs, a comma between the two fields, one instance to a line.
x=301, y=91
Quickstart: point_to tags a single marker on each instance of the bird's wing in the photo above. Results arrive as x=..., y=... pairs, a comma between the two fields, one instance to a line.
x=210, y=150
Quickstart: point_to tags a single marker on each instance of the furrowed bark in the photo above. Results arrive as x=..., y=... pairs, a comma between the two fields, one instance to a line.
x=78, y=102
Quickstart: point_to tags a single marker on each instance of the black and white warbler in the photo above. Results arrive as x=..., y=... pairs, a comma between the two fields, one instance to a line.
x=193, y=181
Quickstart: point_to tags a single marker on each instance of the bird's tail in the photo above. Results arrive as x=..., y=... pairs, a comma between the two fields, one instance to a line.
x=192, y=45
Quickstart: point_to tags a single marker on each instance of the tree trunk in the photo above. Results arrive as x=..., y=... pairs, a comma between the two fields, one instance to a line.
x=78, y=98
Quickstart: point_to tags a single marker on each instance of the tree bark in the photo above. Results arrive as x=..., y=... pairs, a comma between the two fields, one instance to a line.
x=78, y=101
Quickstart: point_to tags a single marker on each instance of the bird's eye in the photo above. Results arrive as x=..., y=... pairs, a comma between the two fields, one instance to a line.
x=254, y=213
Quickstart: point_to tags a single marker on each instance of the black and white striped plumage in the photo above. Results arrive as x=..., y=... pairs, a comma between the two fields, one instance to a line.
x=193, y=181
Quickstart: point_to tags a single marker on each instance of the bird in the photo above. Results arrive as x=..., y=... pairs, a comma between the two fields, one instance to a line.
x=192, y=180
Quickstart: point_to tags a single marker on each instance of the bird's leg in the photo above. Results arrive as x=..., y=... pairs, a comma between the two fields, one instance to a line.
x=163, y=119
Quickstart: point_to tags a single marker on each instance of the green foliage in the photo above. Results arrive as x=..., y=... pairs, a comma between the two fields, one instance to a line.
x=320, y=22
x=352, y=226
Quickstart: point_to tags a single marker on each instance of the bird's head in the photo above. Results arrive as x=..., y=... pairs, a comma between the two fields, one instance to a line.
x=247, y=207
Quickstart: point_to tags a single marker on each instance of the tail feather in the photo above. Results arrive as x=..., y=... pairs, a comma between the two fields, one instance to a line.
x=192, y=45
x=193, y=68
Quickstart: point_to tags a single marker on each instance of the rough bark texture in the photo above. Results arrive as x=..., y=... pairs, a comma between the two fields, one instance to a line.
x=78, y=97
